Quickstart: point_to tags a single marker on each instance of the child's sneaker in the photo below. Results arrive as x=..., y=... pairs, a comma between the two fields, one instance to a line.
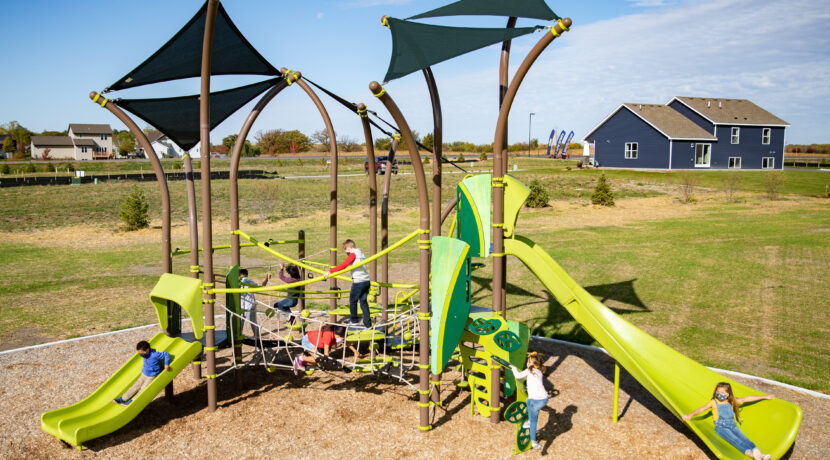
x=296, y=366
x=526, y=425
x=535, y=445
x=121, y=401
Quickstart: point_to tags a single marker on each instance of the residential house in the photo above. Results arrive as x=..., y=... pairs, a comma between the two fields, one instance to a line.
x=166, y=148
x=690, y=133
x=83, y=142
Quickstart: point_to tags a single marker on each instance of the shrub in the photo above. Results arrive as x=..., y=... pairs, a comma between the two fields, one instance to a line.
x=68, y=167
x=426, y=160
x=688, y=182
x=299, y=161
x=602, y=193
x=48, y=167
x=538, y=197
x=460, y=157
x=773, y=181
x=133, y=213
x=30, y=168
x=177, y=165
x=4, y=169
x=482, y=156
x=322, y=162
x=279, y=163
x=730, y=185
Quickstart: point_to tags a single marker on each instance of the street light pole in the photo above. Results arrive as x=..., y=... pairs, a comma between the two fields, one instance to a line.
x=529, y=121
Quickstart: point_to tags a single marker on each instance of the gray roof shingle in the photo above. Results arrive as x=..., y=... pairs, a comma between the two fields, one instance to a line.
x=82, y=128
x=52, y=141
x=669, y=121
x=731, y=111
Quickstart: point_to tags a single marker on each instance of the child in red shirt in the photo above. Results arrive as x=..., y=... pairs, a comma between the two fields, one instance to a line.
x=325, y=339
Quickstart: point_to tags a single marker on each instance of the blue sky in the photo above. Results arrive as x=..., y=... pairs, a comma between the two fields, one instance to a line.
x=776, y=54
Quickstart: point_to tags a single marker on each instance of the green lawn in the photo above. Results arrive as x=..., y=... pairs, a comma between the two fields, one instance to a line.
x=740, y=285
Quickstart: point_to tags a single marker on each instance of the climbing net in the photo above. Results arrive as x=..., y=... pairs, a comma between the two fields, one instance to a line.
x=278, y=340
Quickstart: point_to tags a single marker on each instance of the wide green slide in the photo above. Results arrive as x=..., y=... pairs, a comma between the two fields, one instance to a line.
x=97, y=415
x=678, y=382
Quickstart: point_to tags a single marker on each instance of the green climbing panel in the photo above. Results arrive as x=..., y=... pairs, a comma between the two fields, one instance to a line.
x=450, y=298
x=473, y=215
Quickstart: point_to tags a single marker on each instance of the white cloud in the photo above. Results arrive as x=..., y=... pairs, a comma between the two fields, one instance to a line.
x=320, y=15
x=718, y=48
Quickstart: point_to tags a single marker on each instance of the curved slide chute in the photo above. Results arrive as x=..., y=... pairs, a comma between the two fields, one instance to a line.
x=97, y=415
x=678, y=382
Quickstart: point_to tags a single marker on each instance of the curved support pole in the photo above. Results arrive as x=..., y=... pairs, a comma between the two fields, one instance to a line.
x=193, y=225
x=166, y=259
x=207, y=225
x=504, y=65
x=384, y=228
x=236, y=156
x=437, y=148
x=448, y=210
x=332, y=179
x=498, y=187
x=424, y=243
x=373, y=187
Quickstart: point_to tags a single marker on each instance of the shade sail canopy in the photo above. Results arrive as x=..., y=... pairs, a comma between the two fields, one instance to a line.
x=178, y=117
x=536, y=9
x=416, y=46
x=181, y=56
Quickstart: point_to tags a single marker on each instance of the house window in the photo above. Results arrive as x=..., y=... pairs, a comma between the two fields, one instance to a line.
x=103, y=137
x=768, y=163
x=703, y=153
x=734, y=162
x=766, y=134
x=83, y=149
x=736, y=135
x=630, y=150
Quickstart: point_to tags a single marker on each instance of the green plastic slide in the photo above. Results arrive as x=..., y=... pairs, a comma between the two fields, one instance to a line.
x=97, y=415
x=678, y=382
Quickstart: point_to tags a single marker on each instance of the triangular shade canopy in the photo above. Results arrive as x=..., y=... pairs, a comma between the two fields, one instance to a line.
x=536, y=9
x=416, y=46
x=181, y=56
x=178, y=117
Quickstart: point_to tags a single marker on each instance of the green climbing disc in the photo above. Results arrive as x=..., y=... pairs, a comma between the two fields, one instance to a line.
x=523, y=439
x=483, y=326
x=508, y=340
x=516, y=412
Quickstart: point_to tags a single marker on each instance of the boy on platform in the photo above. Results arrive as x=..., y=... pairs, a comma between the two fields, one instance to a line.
x=360, y=284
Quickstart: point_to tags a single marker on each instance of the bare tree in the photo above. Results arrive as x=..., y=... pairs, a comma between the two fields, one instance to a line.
x=773, y=181
x=688, y=183
x=730, y=185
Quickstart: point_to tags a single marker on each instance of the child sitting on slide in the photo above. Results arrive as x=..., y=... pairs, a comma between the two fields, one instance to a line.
x=725, y=410
x=537, y=396
x=151, y=369
x=323, y=340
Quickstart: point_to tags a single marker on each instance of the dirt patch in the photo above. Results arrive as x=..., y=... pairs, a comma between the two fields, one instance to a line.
x=25, y=336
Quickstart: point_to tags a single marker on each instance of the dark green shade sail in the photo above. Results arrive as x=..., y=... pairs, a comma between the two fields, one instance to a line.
x=536, y=9
x=416, y=46
x=178, y=117
x=181, y=56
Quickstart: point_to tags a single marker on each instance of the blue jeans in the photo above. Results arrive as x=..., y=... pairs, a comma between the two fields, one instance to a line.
x=533, y=408
x=286, y=304
x=358, y=292
x=733, y=435
x=308, y=346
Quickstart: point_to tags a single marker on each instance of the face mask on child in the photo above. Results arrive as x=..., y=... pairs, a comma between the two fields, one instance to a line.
x=721, y=396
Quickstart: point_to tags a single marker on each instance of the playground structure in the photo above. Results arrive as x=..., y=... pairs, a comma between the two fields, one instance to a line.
x=486, y=209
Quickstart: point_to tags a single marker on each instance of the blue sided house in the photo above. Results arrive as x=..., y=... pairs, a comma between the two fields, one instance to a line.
x=690, y=133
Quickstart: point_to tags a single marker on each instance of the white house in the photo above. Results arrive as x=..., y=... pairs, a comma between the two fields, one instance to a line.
x=165, y=147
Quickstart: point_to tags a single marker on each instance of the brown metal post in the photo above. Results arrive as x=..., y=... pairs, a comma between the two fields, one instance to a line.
x=207, y=229
x=498, y=189
x=166, y=257
x=424, y=244
x=373, y=188
x=236, y=157
x=495, y=371
x=301, y=256
x=332, y=179
x=437, y=148
x=193, y=225
x=384, y=230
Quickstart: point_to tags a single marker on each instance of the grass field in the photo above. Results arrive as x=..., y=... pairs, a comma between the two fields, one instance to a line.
x=735, y=284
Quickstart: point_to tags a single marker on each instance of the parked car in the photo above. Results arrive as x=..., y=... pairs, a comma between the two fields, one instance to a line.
x=380, y=165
